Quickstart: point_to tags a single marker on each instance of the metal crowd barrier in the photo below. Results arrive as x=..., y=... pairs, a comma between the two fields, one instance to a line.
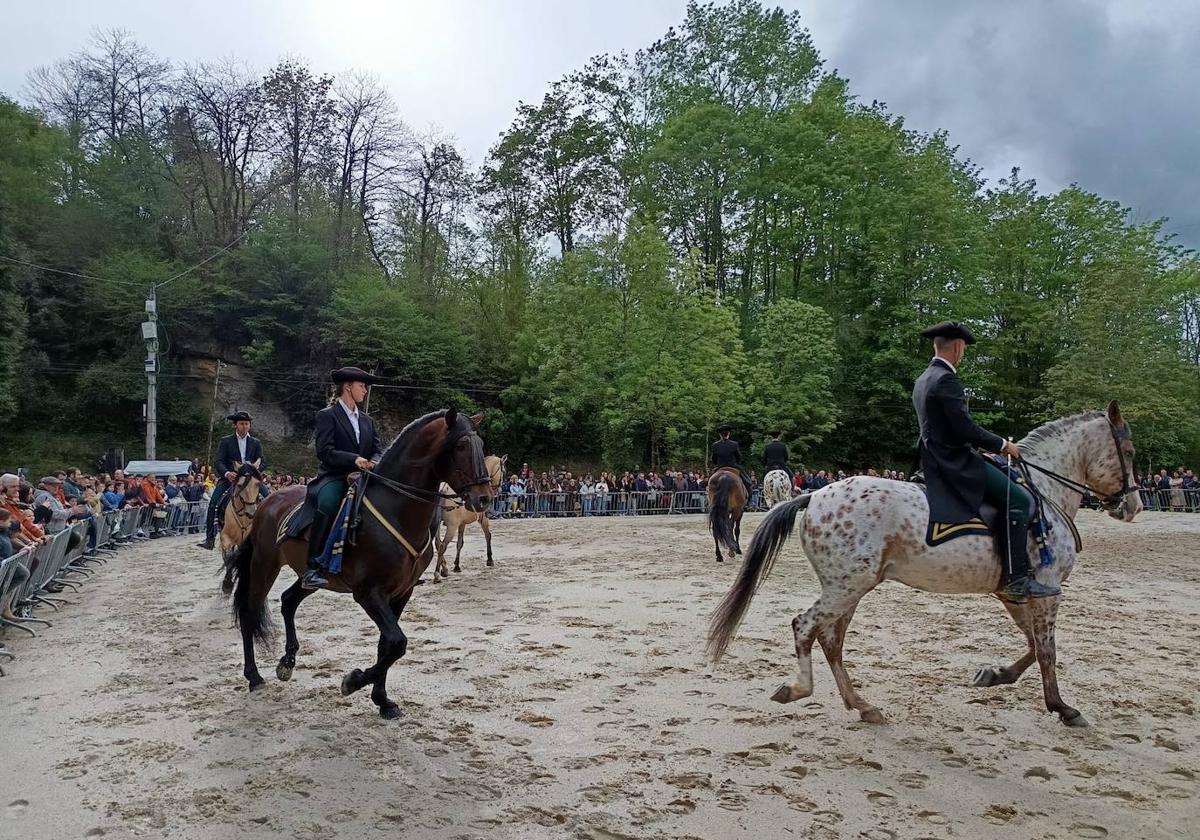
x=1177, y=499
x=612, y=503
x=32, y=578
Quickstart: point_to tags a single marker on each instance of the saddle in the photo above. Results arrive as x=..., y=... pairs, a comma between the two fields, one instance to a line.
x=296, y=522
x=989, y=522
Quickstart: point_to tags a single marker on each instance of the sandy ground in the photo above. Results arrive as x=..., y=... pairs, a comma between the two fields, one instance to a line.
x=564, y=694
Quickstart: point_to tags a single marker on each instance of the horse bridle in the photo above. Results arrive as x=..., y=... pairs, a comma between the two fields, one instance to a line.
x=420, y=494
x=252, y=507
x=1108, y=501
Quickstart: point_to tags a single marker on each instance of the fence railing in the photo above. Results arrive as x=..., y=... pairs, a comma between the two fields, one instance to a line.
x=32, y=578
x=612, y=503
x=1176, y=499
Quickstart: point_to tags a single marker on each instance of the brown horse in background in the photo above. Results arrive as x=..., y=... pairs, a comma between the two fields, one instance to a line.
x=390, y=549
x=456, y=517
x=726, y=503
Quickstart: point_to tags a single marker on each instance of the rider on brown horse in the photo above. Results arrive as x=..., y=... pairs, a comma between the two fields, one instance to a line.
x=727, y=453
x=957, y=479
x=346, y=441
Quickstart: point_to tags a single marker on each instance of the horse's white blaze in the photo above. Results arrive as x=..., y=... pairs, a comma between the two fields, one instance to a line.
x=777, y=487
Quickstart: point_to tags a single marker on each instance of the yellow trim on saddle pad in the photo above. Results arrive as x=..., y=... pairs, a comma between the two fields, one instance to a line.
x=281, y=534
x=940, y=532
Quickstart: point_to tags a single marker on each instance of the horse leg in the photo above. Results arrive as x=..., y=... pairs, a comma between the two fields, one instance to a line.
x=1043, y=613
x=737, y=532
x=717, y=543
x=828, y=608
x=379, y=688
x=989, y=676
x=458, y=551
x=289, y=602
x=439, y=567
x=487, y=537
x=832, y=637
x=392, y=645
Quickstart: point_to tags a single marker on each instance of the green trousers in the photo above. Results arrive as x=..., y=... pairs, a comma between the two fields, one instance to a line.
x=998, y=489
x=329, y=499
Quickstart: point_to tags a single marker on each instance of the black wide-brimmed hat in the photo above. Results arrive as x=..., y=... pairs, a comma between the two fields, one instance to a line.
x=724, y=427
x=353, y=374
x=949, y=329
x=238, y=416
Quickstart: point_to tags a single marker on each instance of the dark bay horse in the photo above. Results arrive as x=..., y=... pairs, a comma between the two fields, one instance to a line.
x=392, y=546
x=726, y=503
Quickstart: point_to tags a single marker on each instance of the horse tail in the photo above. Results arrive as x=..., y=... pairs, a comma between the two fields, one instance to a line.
x=719, y=521
x=249, y=607
x=764, y=550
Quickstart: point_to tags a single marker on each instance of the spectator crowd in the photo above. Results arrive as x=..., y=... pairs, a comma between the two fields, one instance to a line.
x=33, y=511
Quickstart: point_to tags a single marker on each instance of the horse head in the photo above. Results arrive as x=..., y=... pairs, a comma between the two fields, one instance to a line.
x=1110, y=469
x=460, y=462
x=249, y=479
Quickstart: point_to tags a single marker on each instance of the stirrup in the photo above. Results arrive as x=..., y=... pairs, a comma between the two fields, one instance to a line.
x=312, y=579
x=1021, y=589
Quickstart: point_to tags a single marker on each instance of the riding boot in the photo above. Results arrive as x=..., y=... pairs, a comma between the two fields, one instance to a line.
x=1017, y=585
x=313, y=577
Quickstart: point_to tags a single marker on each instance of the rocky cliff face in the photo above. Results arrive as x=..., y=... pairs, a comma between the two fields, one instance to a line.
x=239, y=390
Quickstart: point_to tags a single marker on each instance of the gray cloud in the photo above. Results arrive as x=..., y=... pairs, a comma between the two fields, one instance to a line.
x=1097, y=93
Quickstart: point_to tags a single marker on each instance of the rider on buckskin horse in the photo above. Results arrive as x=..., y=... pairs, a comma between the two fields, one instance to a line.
x=232, y=451
x=727, y=453
x=957, y=479
x=346, y=441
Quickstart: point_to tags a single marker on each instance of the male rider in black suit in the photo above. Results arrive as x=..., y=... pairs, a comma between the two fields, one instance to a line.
x=727, y=453
x=957, y=479
x=232, y=451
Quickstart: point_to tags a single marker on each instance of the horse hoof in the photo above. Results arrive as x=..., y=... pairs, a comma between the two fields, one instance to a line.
x=256, y=682
x=283, y=672
x=783, y=694
x=984, y=678
x=457, y=571
x=227, y=586
x=352, y=682
x=1075, y=719
x=490, y=564
x=872, y=716
x=389, y=711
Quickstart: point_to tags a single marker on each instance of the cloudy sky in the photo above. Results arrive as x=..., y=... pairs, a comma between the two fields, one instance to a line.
x=1099, y=92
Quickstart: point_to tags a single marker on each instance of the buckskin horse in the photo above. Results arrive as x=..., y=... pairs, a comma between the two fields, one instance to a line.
x=239, y=513
x=726, y=503
x=456, y=517
x=861, y=531
x=382, y=564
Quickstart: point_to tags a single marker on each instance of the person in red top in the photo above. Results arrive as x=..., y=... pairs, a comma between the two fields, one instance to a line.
x=10, y=488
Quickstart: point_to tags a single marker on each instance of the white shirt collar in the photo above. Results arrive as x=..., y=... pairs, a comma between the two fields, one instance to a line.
x=353, y=412
x=946, y=362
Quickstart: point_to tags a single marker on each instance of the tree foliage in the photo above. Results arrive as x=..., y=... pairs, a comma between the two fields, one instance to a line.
x=713, y=228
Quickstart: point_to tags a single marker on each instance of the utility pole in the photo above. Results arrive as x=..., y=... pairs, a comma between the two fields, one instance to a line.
x=212, y=412
x=150, y=336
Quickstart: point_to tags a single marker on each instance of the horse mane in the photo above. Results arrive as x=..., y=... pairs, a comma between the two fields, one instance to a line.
x=1055, y=428
x=404, y=441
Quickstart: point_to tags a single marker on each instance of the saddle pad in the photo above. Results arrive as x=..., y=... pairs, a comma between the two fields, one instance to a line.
x=290, y=529
x=939, y=532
